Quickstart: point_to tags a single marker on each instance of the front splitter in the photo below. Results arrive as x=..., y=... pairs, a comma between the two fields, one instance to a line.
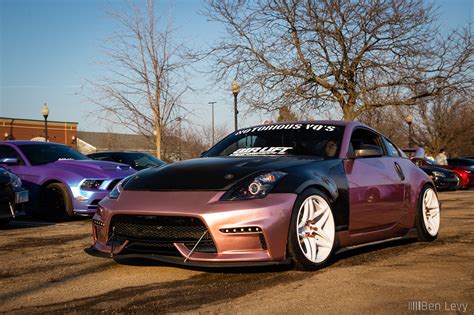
x=180, y=260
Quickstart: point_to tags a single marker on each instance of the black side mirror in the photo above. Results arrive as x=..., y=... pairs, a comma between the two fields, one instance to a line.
x=368, y=150
x=10, y=161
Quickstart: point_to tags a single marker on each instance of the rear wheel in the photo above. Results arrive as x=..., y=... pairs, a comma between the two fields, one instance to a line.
x=312, y=234
x=428, y=215
x=57, y=202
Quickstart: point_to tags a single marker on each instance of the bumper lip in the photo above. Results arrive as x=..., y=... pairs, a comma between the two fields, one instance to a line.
x=272, y=214
x=191, y=263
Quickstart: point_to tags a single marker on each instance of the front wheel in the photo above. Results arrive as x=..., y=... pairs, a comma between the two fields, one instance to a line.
x=428, y=215
x=311, y=239
x=57, y=203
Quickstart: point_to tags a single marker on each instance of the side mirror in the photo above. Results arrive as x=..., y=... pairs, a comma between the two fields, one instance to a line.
x=10, y=161
x=368, y=150
x=203, y=153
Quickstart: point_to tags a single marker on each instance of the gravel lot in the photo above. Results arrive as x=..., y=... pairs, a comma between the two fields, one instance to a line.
x=44, y=270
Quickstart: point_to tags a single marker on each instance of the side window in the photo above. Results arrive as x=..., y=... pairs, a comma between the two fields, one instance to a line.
x=391, y=148
x=364, y=138
x=9, y=152
x=102, y=158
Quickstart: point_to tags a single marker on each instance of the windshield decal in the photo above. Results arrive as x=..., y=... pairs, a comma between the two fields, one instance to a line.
x=261, y=151
x=317, y=127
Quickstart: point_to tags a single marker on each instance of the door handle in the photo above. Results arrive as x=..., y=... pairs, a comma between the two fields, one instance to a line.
x=399, y=171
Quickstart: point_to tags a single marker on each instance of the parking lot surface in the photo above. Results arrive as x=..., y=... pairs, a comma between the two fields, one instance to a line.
x=44, y=269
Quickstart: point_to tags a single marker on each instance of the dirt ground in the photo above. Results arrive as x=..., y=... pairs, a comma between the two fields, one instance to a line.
x=44, y=270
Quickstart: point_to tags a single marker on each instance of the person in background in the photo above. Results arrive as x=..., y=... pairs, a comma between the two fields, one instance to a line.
x=441, y=158
x=331, y=148
x=428, y=155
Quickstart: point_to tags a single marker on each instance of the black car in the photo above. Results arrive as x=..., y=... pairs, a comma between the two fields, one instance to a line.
x=137, y=160
x=11, y=194
x=444, y=179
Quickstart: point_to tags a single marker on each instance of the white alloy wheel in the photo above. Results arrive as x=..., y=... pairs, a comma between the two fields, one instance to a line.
x=430, y=210
x=316, y=229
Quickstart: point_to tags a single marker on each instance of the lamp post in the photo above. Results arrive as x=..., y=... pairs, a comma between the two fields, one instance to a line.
x=409, y=120
x=45, y=113
x=235, y=88
x=212, y=103
x=179, y=119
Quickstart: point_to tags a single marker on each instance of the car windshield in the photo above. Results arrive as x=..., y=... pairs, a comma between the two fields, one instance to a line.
x=431, y=162
x=39, y=154
x=141, y=161
x=300, y=139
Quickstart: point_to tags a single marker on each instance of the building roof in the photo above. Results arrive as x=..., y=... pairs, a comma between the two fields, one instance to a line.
x=107, y=141
x=36, y=120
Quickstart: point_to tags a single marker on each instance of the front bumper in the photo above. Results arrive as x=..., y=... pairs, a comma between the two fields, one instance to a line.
x=271, y=215
x=87, y=201
x=445, y=183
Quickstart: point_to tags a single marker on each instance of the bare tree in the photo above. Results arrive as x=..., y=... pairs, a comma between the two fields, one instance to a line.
x=285, y=114
x=143, y=88
x=357, y=54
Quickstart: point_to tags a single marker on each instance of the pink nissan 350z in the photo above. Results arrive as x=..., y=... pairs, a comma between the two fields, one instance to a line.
x=271, y=194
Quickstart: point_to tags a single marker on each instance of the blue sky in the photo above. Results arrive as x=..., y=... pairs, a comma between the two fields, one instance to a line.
x=48, y=48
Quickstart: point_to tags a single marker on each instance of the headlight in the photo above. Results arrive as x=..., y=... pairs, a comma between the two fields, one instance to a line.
x=258, y=187
x=115, y=193
x=438, y=174
x=92, y=183
x=15, y=181
x=469, y=172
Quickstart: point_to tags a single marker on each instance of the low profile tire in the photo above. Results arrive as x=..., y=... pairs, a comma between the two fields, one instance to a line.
x=57, y=203
x=428, y=215
x=312, y=233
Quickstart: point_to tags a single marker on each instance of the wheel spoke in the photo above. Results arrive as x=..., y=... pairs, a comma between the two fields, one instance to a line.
x=324, y=236
x=321, y=242
x=314, y=248
x=307, y=245
x=324, y=218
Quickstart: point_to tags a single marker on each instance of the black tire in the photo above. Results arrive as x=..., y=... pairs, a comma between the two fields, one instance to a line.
x=421, y=229
x=459, y=184
x=56, y=202
x=294, y=249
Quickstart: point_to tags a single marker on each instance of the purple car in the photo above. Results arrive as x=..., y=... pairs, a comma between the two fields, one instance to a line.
x=62, y=182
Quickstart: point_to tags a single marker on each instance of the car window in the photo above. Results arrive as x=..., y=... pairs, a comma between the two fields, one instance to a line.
x=391, y=148
x=364, y=137
x=102, y=158
x=7, y=151
x=300, y=139
x=39, y=154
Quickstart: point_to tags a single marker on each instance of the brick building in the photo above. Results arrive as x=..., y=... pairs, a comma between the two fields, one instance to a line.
x=29, y=129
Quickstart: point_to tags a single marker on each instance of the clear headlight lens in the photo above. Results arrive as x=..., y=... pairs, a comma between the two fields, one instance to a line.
x=117, y=190
x=92, y=183
x=438, y=174
x=15, y=181
x=469, y=172
x=258, y=187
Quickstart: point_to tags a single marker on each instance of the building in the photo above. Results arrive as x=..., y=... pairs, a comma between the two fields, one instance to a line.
x=63, y=132
x=92, y=142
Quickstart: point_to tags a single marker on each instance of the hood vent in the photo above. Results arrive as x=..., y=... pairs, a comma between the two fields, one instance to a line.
x=115, y=168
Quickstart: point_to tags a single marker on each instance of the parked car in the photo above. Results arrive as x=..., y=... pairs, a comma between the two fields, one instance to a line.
x=62, y=182
x=12, y=194
x=417, y=155
x=136, y=160
x=467, y=164
x=271, y=194
x=444, y=179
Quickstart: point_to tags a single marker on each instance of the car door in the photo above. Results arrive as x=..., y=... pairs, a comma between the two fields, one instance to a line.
x=376, y=184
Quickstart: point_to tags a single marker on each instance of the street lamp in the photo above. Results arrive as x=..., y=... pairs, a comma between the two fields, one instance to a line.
x=212, y=103
x=45, y=113
x=235, y=88
x=409, y=120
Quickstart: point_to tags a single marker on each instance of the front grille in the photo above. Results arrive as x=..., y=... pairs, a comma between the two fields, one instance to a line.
x=113, y=183
x=156, y=234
